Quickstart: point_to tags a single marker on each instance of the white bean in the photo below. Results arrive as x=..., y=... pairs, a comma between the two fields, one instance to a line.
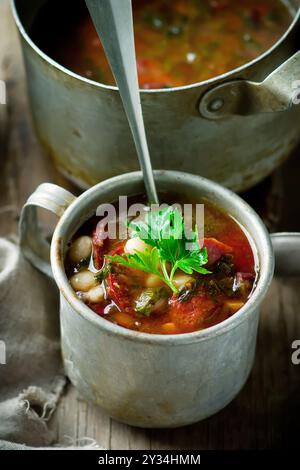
x=153, y=281
x=83, y=281
x=135, y=244
x=80, y=249
x=94, y=295
x=181, y=280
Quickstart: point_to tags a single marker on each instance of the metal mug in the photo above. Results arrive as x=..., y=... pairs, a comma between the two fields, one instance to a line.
x=144, y=379
x=234, y=128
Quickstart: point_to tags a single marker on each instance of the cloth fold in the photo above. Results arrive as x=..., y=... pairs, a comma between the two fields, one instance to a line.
x=31, y=373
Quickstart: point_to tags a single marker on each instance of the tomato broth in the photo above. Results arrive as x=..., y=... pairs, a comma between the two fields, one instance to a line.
x=224, y=276
x=178, y=43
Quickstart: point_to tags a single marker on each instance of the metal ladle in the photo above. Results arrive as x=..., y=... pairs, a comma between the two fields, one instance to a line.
x=113, y=21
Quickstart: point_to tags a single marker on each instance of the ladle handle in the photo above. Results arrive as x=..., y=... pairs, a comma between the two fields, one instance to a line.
x=114, y=23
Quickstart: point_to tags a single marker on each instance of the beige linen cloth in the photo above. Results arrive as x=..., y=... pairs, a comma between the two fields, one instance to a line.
x=32, y=378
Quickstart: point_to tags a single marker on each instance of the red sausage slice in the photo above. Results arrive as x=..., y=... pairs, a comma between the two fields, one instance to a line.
x=215, y=250
x=118, y=291
x=118, y=283
x=191, y=315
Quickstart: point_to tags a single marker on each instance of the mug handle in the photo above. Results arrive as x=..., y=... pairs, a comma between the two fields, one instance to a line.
x=33, y=244
x=286, y=247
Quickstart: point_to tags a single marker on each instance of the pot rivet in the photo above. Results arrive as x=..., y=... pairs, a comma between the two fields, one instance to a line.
x=216, y=104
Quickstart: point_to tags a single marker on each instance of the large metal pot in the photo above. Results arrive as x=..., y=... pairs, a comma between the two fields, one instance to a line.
x=236, y=134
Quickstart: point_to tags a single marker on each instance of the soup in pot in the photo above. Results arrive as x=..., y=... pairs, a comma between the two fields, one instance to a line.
x=162, y=278
x=178, y=42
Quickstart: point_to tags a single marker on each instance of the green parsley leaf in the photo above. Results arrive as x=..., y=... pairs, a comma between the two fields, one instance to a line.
x=169, y=247
x=147, y=261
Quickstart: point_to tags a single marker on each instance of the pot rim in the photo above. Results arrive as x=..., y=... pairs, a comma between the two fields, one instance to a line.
x=210, y=81
x=266, y=259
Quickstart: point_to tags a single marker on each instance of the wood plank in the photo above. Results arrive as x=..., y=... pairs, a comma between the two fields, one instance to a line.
x=127, y=437
x=76, y=420
x=8, y=211
x=25, y=163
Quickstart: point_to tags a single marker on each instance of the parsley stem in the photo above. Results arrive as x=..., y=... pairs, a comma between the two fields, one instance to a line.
x=174, y=269
x=167, y=278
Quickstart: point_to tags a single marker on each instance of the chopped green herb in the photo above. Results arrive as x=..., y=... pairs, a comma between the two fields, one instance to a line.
x=102, y=275
x=148, y=298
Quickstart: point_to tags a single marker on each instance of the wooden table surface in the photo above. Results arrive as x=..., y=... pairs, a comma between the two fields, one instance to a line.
x=266, y=412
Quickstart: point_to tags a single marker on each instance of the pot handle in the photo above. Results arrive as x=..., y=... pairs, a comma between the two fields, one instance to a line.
x=286, y=247
x=33, y=244
x=278, y=92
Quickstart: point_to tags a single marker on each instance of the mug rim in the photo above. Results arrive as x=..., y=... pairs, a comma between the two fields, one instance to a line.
x=210, y=81
x=266, y=265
